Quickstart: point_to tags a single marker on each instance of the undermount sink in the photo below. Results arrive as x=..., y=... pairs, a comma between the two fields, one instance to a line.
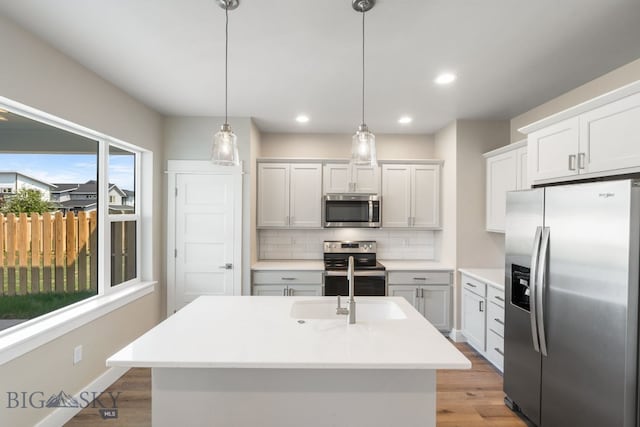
x=366, y=310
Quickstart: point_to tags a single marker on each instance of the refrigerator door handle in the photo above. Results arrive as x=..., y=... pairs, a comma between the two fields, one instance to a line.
x=540, y=289
x=533, y=289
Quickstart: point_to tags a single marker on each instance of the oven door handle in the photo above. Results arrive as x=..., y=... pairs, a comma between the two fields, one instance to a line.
x=360, y=273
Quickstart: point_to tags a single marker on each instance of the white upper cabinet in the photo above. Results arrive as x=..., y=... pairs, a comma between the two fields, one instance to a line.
x=273, y=195
x=610, y=136
x=337, y=178
x=411, y=195
x=553, y=151
x=345, y=178
x=506, y=171
x=366, y=179
x=289, y=195
x=396, y=196
x=522, y=164
x=597, y=138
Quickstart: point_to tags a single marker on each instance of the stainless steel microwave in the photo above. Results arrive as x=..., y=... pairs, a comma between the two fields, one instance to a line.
x=351, y=210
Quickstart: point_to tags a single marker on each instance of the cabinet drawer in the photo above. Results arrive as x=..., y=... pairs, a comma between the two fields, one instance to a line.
x=495, y=349
x=419, y=278
x=473, y=285
x=495, y=319
x=495, y=296
x=287, y=277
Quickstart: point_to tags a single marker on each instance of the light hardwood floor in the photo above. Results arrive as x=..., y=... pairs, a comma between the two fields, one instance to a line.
x=472, y=398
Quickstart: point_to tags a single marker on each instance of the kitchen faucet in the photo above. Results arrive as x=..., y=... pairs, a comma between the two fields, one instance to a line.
x=351, y=311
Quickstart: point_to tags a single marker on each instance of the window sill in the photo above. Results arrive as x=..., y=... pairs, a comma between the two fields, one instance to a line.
x=28, y=336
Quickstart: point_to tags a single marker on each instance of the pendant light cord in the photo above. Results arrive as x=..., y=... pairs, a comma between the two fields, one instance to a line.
x=363, y=67
x=226, y=58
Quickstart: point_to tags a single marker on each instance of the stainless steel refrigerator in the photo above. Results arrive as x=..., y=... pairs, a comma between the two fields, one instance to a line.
x=571, y=322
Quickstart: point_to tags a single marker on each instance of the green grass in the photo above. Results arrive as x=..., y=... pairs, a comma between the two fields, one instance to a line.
x=34, y=305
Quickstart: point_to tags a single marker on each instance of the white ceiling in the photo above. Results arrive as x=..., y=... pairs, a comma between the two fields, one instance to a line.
x=293, y=56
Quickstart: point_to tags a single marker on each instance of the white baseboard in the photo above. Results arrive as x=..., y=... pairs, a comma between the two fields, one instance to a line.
x=60, y=416
x=456, y=335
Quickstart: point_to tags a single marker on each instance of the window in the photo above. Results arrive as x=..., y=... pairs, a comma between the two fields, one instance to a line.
x=123, y=218
x=50, y=249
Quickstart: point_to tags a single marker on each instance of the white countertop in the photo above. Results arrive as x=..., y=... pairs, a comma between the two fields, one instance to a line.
x=413, y=265
x=289, y=264
x=491, y=276
x=258, y=332
x=318, y=265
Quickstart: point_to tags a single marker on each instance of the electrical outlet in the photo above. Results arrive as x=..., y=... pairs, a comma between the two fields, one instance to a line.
x=77, y=355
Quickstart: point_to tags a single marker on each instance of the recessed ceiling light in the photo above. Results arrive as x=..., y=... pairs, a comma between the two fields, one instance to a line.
x=302, y=118
x=445, y=78
x=405, y=120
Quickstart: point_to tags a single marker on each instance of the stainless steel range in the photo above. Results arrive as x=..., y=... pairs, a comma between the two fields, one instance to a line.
x=370, y=275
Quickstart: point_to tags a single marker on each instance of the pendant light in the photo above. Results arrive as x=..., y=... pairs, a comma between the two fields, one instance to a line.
x=225, y=147
x=363, y=147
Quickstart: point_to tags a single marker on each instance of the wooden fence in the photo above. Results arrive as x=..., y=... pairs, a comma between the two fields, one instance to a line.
x=48, y=253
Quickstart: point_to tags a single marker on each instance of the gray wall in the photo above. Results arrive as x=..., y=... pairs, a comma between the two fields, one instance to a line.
x=619, y=77
x=463, y=241
x=190, y=138
x=324, y=145
x=41, y=77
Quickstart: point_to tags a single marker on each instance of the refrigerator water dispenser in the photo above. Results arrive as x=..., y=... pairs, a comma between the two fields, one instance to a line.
x=520, y=286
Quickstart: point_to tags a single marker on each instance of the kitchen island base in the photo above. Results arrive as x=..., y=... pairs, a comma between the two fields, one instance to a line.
x=293, y=397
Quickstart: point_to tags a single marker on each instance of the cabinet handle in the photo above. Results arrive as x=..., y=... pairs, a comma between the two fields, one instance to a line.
x=419, y=278
x=572, y=162
x=498, y=351
x=499, y=321
x=480, y=304
x=471, y=284
x=287, y=278
x=417, y=292
x=284, y=292
x=499, y=298
x=421, y=293
x=581, y=159
x=290, y=292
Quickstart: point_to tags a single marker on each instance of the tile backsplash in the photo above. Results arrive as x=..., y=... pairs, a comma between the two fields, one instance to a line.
x=307, y=244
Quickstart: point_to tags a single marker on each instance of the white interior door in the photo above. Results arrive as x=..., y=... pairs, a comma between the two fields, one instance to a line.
x=206, y=260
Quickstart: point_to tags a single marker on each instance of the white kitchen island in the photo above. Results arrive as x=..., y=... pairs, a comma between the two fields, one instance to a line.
x=290, y=361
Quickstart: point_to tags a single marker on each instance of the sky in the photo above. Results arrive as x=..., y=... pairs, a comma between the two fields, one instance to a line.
x=69, y=168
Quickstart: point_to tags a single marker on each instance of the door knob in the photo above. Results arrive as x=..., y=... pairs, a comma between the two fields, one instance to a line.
x=227, y=266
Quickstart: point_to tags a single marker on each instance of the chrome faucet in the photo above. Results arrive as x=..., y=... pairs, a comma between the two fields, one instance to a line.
x=351, y=311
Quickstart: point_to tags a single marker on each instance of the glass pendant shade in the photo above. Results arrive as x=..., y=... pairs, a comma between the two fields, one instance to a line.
x=224, y=151
x=363, y=147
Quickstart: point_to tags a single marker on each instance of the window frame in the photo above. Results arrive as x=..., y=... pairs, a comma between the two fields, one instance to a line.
x=29, y=334
x=111, y=218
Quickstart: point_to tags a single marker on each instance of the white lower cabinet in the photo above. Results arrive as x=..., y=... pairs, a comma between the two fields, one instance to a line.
x=287, y=283
x=483, y=319
x=474, y=322
x=432, y=299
